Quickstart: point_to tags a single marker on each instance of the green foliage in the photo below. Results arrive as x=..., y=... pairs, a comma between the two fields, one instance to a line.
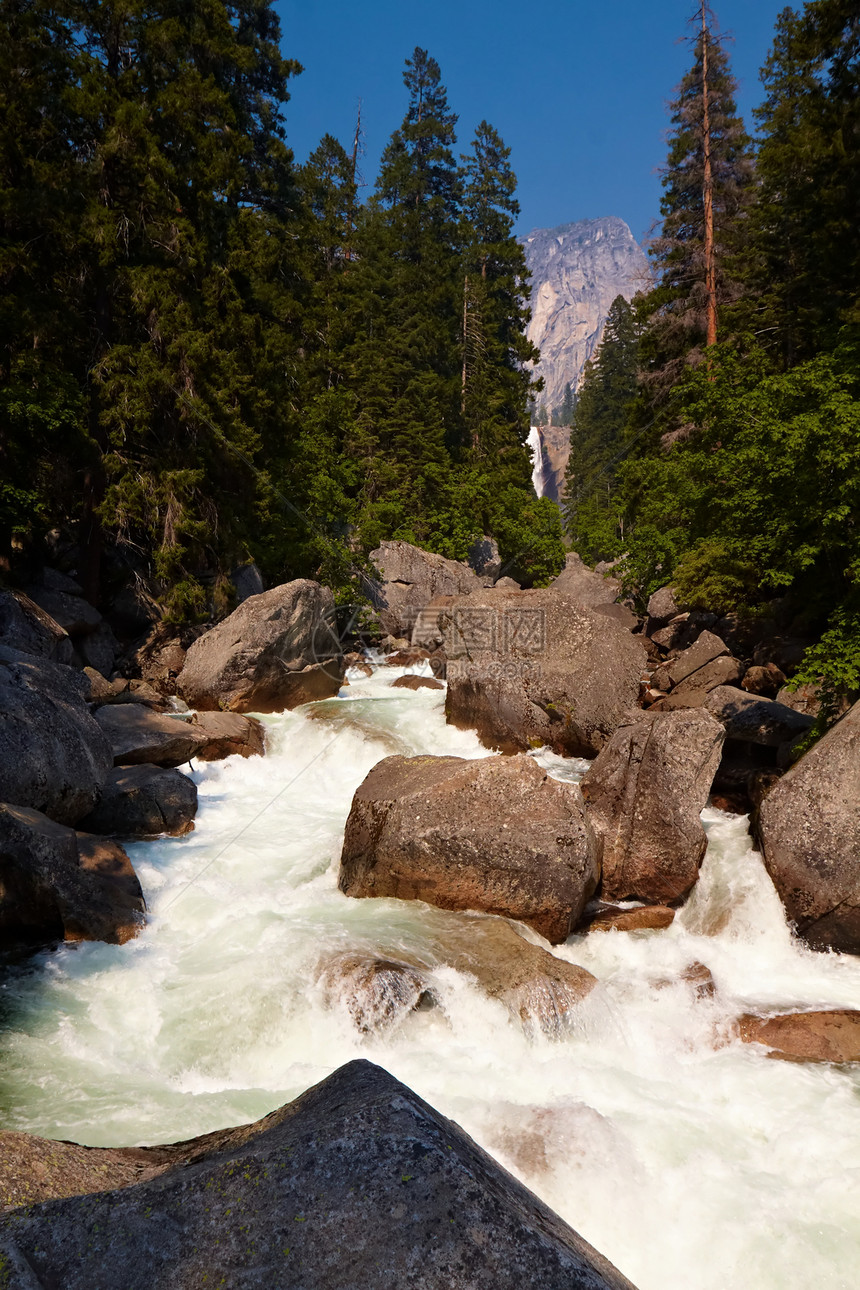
x=833, y=664
x=593, y=513
x=672, y=315
x=803, y=269
x=208, y=355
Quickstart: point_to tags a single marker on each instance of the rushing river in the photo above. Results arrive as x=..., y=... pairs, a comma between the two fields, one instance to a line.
x=692, y=1161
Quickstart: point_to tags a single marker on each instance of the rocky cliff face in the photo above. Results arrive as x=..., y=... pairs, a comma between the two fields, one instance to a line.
x=577, y=271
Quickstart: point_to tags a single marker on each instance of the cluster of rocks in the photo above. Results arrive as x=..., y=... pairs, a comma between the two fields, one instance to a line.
x=502, y=836
x=88, y=762
x=676, y=708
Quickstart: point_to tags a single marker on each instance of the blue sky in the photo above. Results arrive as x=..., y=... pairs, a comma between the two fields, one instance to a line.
x=577, y=88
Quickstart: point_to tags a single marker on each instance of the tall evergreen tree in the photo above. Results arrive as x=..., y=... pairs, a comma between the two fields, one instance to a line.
x=495, y=378
x=694, y=270
x=405, y=362
x=593, y=512
x=42, y=441
x=803, y=268
x=188, y=187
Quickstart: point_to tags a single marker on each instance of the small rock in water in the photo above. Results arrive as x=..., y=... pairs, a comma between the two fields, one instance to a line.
x=417, y=683
x=828, y=1036
x=378, y=993
x=642, y=918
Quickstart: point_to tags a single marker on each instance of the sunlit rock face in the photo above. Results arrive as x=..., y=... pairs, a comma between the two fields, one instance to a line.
x=577, y=270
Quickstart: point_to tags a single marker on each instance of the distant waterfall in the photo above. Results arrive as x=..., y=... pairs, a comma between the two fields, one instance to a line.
x=535, y=443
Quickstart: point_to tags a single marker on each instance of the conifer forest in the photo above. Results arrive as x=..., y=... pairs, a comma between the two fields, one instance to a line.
x=212, y=353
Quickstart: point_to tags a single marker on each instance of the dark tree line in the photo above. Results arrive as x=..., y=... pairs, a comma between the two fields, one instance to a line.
x=731, y=465
x=209, y=354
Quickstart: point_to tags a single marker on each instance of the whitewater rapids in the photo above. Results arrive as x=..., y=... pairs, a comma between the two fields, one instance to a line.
x=688, y=1159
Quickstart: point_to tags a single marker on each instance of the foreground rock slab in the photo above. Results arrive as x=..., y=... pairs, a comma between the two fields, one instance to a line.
x=495, y=835
x=357, y=1185
x=527, y=668
x=809, y=830
x=56, y=884
x=276, y=651
x=828, y=1036
x=644, y=795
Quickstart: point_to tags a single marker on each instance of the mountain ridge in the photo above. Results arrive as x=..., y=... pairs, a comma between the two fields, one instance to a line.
x=577, y=270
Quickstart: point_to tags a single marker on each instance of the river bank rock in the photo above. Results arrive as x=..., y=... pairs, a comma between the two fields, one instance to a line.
x=808, y=826
x=832, y=1035
x=585, y=587
x=138, y=736
x=527, y=668
x=644, y=795
x=751, y=718
x=56, y=884
x=144, y=802
x=53, y=755
x=357, y=1183
x=495, y=835
x=229, y=734
x=25, y=627
x=409, y=579
x=276, y=651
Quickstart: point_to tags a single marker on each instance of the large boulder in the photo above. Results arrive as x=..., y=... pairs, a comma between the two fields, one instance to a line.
x=662, y=608
x=527, y=668
x=56, y=884
x=809, y=829
x=704, y=650
x=750, y=718
x=144, y=802
x=583, y=585
x=644, y=795
x=138, y=736
x=409, y=579
x=358, y=1183
x=25, y=627
x=496, y=835
x=53, y=755
x=695, y=688
x=74, y=614
x=99, y=649
x=277, y=650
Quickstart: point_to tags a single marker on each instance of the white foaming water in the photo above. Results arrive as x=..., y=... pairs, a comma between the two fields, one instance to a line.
x=689, y=1159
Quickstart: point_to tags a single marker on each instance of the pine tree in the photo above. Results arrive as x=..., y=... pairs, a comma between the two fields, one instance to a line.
x=43, y=445
x=405, y=361
x=495, y=378
x=707, y=185
x=593, y=512
x=188, y=186
x=803, y=267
